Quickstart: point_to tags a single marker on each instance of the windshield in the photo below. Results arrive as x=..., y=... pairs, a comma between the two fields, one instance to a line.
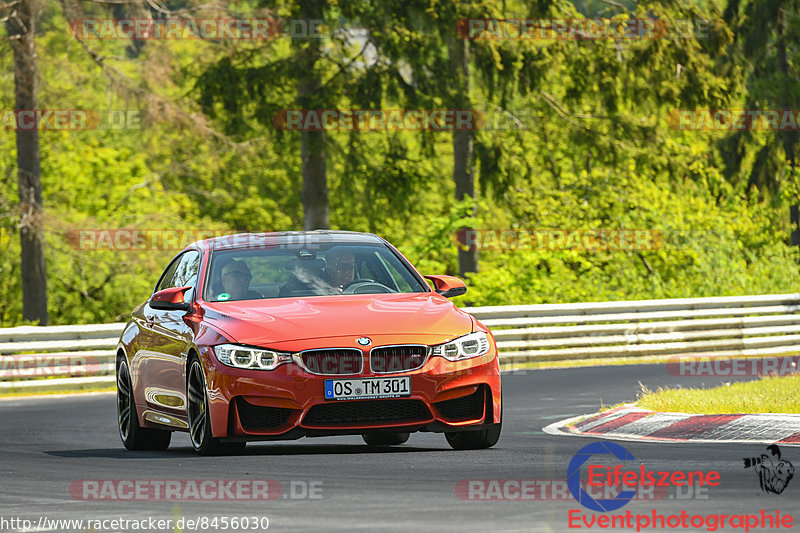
x=325, y=270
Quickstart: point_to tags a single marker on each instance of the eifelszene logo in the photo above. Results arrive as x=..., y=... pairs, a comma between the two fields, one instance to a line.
x=574, y=477
x=773, y=472
x=610, y=466
x=599, y=475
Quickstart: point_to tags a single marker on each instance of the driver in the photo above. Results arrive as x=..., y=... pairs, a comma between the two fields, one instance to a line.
x=236, y=278
x=341, y=268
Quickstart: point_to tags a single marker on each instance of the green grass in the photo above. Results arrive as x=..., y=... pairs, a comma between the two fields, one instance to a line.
x=19, y=393
x=613, y=361
x=573, y=363
x=767, y=395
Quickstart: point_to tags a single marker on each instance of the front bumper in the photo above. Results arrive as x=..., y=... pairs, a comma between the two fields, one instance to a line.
x=289, y=402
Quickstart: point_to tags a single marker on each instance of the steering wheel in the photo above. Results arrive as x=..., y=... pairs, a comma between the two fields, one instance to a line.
x=353, y=287
x=357, y=280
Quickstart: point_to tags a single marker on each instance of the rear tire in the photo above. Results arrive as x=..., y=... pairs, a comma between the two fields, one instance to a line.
x=199, y=422
x=135, y=437
x=385, y=438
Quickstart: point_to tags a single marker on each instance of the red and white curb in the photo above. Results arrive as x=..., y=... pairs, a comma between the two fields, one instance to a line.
x=631, y=423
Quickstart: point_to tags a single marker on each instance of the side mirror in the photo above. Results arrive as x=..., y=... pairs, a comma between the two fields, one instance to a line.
x=448, y=286
x=170, y=299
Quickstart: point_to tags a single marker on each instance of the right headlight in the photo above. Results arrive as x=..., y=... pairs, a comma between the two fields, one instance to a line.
x=466, y=347
x=250, y=358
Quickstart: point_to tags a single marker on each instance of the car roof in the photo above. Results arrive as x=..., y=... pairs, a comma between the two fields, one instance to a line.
x=270, y=239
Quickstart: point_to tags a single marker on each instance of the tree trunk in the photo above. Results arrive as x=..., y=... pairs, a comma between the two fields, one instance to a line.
x=315, y=182
x=21, y=30
x=316, y=207
x=463, y=164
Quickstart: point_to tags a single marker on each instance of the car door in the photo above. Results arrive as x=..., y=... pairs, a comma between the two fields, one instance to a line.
x=144, y=364
x=170, y=338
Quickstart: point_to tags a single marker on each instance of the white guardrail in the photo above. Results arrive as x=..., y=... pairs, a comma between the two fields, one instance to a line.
x=74, y=358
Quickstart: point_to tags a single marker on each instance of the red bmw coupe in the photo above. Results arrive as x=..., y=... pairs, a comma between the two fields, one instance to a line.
x=272, y=336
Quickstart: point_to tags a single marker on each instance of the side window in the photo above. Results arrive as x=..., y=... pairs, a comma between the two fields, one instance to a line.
x=182, y=272
x=169, y=273
x=186, y=273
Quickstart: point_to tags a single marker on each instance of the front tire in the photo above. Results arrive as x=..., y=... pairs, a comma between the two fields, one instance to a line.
x=135, y=437
x=477, y=440
x=385, y=438
x=199, y=422
x=474, y=440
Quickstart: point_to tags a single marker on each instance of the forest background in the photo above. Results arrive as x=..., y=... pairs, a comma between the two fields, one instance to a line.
x=575, y=134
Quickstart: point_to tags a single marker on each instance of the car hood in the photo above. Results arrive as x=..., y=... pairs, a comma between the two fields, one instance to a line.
x=278, y=320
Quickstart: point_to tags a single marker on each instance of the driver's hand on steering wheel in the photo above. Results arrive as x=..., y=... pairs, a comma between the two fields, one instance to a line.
x=346, y=284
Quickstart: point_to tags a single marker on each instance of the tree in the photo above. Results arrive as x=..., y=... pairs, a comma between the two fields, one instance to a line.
x=463, y=145
x=243, y=85
x=316, y=207
x=22, y=30
x=767, y=36
x=427, y=62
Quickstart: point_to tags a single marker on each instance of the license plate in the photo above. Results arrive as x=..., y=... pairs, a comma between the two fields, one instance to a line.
x=353, y=389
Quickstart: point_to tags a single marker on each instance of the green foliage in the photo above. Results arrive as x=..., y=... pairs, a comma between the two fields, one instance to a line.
x=579, y=135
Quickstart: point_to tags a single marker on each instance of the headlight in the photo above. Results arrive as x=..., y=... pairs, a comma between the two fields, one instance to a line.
x=466, y=347
x=252, y=358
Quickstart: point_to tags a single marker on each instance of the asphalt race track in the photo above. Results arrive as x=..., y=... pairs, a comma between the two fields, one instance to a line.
x=51, y=444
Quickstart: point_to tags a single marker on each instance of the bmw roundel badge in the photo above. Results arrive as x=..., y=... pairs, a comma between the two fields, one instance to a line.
x=364, y=341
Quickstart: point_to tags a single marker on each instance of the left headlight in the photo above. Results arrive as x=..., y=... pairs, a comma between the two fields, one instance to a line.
x=250, y=358
x=466, y=347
